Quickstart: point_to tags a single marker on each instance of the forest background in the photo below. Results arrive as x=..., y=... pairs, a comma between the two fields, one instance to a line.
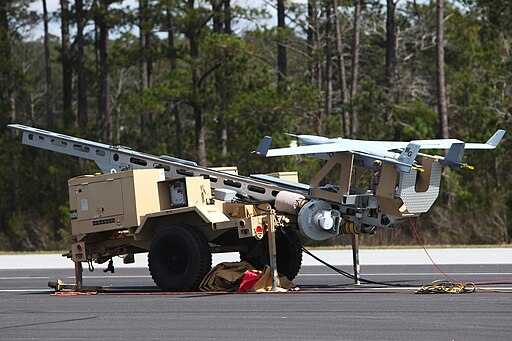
x=206, y=80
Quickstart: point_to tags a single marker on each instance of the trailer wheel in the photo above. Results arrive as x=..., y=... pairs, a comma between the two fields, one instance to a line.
x=179, y=257
x=289, y=253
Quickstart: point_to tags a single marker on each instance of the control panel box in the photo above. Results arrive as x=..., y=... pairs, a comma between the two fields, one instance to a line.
x=115, y=201
x=190, y=191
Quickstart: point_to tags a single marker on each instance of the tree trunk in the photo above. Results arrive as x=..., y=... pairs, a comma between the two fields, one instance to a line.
x=342, y=79
x=282, y=59
x=81, y=86
x=146, y=65
x=355, y=65
x=328, y=71
x=441, y=87
x=143, y=76
x=417, y=16
x=314, y=44
x=143, y=7
x=218, y=28
x=227, y=17
x=149, y=64
x=173, y=64
x=222, y=24
x=48, y=70
x=67, y=73
x=96, y=12
x=6, y=101
x=200, y=142
x=310, y=37
x=198, y=113
x=8, y=90
x=5, y=55
x=5, y=50
x=217, y=17
x=226, y=93
x=390, y=52
x=104, y=78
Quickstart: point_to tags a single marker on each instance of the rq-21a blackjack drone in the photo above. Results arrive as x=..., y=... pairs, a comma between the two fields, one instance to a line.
x=401, y=187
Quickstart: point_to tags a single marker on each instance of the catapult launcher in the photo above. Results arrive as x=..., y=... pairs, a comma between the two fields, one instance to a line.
x=180, y=212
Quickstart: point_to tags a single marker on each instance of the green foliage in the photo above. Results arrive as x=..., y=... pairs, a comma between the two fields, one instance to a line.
x=415, y=120
x=232, y=82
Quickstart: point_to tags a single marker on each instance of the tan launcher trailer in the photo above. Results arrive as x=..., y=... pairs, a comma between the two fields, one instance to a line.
x=178, y=221
x=178, y=212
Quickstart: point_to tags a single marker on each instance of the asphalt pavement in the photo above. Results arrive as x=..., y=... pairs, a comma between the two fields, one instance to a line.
x=327, y=307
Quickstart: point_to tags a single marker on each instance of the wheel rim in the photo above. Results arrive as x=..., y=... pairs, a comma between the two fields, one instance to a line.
x=176, y=259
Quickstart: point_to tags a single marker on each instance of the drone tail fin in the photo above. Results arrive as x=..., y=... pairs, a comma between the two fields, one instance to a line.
x=496, y=138
x=453, y=158
x=264, y=146
x=408, y=156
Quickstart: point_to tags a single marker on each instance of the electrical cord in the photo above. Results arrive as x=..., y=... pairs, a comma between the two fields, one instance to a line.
x=349, y=275
x=340, y=271
x=440, y=286
x=446, y=287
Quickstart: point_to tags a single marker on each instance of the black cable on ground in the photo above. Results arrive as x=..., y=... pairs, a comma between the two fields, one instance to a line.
x=342, y=272
x=349, y=275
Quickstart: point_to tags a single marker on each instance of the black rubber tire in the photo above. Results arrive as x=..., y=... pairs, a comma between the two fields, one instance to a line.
x=289, y=254
x=179, y=258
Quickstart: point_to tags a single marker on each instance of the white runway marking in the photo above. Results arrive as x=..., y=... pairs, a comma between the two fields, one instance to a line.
x=28, y=290
x=404, y=274
x=72, y=277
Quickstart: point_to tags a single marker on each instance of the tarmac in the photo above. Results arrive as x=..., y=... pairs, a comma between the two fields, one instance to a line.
x=327, y=307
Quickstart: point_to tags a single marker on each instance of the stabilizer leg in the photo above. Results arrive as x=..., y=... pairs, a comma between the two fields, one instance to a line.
x=355, y=259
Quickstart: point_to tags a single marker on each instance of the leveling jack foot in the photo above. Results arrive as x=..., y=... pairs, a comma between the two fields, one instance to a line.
x=60, y=286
